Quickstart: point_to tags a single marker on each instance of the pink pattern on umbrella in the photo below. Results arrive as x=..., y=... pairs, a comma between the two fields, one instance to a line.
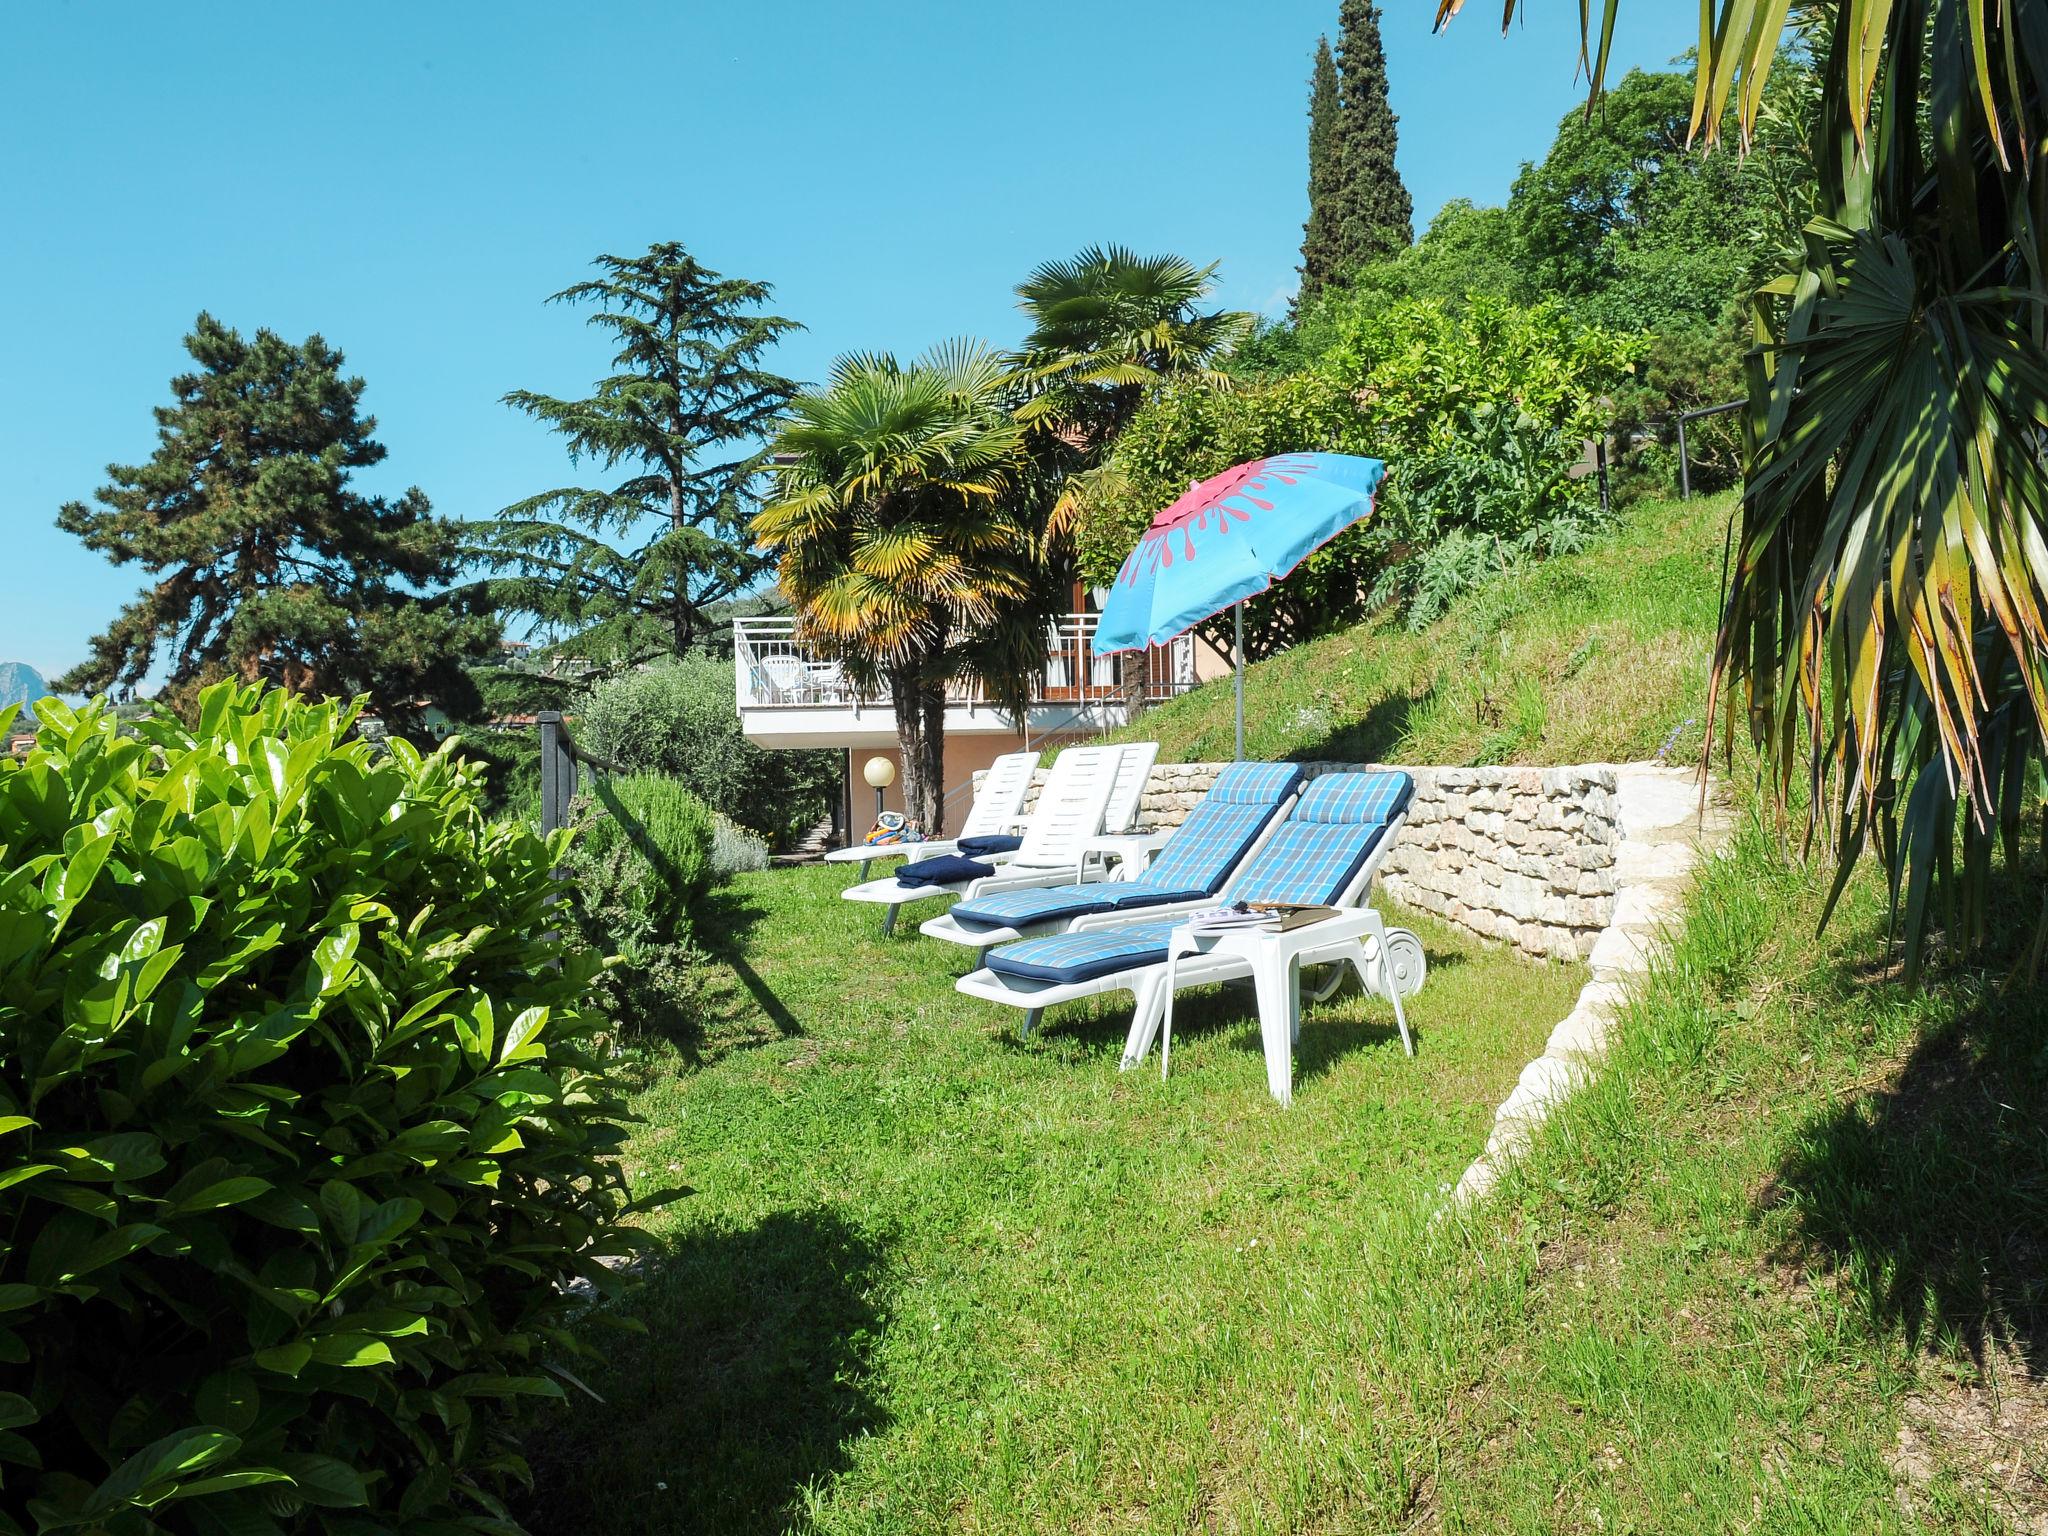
x=1231, y=496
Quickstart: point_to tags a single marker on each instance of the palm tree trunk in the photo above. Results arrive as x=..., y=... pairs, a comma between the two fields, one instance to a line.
x=933, y=777
x=919, y=703
x=1133, y=667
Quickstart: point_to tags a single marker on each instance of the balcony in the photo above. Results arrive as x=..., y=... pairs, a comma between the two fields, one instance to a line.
x=789, y=697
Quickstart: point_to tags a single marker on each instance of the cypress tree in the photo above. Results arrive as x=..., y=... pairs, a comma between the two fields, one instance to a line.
x=1374, y=214
x=1319, y=235
x=269, y=565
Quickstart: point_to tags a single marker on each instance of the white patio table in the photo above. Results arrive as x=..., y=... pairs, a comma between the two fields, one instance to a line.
x=1274, y=958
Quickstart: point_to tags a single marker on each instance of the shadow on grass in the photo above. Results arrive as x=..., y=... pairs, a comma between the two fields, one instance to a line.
x=746, y=1389
x=1928, y=1192
x=1230, y=1007
x=722, y=924
x=1373, y=737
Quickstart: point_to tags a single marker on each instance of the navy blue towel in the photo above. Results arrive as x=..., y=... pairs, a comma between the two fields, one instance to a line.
x=945, y=869
x=995, y=842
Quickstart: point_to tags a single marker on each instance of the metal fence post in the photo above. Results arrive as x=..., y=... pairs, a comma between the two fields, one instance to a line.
x=1684, y=469
x=557, y=772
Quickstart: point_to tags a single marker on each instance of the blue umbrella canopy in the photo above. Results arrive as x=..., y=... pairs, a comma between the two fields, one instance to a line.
x=1228, y=538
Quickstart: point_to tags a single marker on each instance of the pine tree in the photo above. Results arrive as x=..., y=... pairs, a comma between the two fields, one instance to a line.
x=1319, y=235
x=628, y=573
x=270, y=566
x=1365, y=214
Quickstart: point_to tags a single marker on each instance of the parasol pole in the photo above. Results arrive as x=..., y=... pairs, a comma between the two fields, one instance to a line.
x=1237, y=668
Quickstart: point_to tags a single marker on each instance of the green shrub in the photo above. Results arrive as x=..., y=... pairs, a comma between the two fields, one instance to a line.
x=511, y=763
x=1478, y=409
x=679, y=718
x=734, y=850
x=300, y=1132
x=1418, y=365
x=1500, y=494
x=635, y=875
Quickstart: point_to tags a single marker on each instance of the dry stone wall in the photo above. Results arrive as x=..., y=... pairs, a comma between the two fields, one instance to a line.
x=1524, y=856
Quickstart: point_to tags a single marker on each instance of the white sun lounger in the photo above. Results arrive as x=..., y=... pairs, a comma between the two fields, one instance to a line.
x=1071, y=809
x=1326, y=853
x=998, y=809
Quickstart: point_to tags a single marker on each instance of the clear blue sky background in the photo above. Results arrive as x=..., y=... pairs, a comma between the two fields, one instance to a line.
x=412, y=180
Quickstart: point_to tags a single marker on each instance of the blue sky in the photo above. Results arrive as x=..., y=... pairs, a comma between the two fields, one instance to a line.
x=412, y=180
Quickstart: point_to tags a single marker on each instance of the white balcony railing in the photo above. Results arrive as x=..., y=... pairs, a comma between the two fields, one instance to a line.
x=776, y=672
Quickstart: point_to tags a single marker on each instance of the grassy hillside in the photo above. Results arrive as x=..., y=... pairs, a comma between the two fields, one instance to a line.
x=1781, y=1268
x=1599, y=657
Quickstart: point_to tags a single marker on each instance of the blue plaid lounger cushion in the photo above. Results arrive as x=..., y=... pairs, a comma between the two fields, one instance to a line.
x=1084, y=956
x=1336, y=824
x=1013, y=909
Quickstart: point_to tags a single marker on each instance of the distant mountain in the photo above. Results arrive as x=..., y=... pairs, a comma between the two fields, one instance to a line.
x=20, y=683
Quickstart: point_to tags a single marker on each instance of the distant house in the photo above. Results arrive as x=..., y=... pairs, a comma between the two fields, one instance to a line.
x=789, y=697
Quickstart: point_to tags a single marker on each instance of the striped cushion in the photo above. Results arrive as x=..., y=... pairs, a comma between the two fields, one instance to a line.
x=1336, y=825
x=1014, y=909
x=1084, y=956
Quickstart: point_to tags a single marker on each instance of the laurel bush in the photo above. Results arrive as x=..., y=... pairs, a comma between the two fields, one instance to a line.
x=305, y=1155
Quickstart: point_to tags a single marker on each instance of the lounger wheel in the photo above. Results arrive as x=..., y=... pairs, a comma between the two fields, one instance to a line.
x=1402, y=962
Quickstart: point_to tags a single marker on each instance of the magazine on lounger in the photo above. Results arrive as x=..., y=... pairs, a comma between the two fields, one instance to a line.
x=1271, y=916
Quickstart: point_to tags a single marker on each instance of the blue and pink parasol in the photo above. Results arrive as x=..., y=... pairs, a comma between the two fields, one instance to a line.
x=1228, y=538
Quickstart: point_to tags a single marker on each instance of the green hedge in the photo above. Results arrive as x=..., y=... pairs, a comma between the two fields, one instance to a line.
x=679, y=717
x=636, y=876
x=301, y=1137
x=647, y=841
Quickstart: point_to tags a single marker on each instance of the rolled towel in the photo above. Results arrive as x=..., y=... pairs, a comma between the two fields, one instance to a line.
x=945, y=869
x=995, y=842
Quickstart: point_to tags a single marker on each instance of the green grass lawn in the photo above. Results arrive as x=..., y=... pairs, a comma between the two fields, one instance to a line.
x=936, y=1278
x=1782, y=1269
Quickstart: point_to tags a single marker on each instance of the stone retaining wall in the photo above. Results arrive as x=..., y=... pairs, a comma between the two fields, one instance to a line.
x=1524, y=856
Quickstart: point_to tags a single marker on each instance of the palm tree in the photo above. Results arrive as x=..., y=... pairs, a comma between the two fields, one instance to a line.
x=901, y=521
x=1108, y=328
x=1886, y=627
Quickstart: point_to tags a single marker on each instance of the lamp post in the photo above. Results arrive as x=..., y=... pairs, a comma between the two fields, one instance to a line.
x=880, y=773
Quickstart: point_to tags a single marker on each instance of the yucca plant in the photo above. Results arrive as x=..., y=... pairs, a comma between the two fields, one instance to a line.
x=900, y=523
x=1884, y=633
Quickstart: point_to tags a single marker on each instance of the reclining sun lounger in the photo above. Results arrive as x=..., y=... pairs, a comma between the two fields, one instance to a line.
x=1325, y=853
x=997, y=812
x=1077, y=798
x=1185, y=874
